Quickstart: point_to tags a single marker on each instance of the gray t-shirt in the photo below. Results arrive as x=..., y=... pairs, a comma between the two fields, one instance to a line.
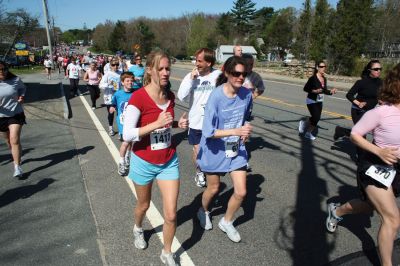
x=10, y=90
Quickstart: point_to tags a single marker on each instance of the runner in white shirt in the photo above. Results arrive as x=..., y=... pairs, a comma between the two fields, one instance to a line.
x=195, y=88
x=73, y=70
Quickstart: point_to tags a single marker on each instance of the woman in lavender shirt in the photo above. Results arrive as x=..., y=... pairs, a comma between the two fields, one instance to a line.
x=222, y=147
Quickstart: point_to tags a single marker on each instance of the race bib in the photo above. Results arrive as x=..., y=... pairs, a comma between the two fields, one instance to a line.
x=382, y=174
x=231, y=149
x=320, y=97
x=160, y=139
x=107, y=99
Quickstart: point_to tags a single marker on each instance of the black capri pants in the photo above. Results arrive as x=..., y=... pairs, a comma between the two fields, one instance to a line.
x=315, y=110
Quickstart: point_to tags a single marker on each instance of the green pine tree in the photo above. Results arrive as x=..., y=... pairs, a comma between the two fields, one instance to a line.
x=242, y=14
x=118, y=37
x=302, y=45
x=319, y=31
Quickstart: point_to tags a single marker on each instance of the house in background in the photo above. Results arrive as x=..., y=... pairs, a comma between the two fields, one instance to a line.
x=223, y=52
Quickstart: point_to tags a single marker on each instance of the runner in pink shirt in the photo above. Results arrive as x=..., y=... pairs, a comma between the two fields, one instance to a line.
x=378, y=173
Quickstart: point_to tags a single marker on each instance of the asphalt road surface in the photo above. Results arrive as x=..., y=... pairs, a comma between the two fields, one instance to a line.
x=72, y=208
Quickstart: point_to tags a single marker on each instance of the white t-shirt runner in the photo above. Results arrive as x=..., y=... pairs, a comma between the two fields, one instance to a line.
x=196, y=92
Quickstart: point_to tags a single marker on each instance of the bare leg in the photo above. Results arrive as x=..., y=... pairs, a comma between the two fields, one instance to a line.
x=385, y=204
x=354, y=206
x=169, y=192
x=239, y=187
x=211, y=190
x=143, y=202
x=15, y=144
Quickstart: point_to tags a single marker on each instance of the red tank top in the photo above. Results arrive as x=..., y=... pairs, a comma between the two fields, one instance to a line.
x=151, y=148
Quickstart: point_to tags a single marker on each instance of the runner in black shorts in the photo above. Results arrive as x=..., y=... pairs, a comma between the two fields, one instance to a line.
x=378, y=170
x=12, y=92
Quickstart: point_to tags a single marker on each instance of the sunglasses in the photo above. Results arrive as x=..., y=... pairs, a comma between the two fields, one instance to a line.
x=237, y=74
x=376, y=69
x=114, y=64
x=138, y=59
x=321, y=66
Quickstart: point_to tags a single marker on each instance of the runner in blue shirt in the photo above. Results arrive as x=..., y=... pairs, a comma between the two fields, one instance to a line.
x=119, y=103
x=222, y=149
x=138, y=70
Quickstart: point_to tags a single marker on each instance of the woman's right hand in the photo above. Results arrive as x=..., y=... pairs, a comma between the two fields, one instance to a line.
x=388, y=155
x=317, y=91
x=164, y=118
x=245, y=130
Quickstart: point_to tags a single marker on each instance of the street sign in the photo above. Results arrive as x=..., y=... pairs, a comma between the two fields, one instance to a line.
x=20, y=46
x=22, y=52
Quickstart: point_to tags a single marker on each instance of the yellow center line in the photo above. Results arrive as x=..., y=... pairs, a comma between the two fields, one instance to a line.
x=337, y=115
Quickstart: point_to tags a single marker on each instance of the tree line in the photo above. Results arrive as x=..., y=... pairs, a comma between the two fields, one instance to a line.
x=341, y=34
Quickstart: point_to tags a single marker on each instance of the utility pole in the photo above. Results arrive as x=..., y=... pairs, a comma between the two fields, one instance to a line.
x=46, y=24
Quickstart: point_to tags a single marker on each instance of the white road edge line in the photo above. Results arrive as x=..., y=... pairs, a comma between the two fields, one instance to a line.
x=152, y=214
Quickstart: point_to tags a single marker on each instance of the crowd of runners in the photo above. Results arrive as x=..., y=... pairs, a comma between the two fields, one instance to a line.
x=219, y=125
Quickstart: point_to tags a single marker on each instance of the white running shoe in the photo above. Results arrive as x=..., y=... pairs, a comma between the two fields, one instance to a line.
x=168, y=258
x=139, y=241
x=200, y=179
x=18, y=171
x=332, y=220
x=204, y=219
x=230, y=230
x=111, y=132
x=302, y=126
x=310, y=136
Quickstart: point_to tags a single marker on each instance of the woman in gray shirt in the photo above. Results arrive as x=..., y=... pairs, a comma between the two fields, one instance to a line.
x=12, y=117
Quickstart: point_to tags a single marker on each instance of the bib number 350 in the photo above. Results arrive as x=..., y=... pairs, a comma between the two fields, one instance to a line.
x=160, y=139
x=382, y=174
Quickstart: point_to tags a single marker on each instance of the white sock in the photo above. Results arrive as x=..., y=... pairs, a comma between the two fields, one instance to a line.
x=121, y=159
x=16, y=166
x=110, y=127
x=137, y=229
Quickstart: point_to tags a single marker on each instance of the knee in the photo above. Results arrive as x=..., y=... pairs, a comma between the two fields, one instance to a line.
x=170, y=216
x=213, y=188
x=393, y=220
x=13, y=140
x=142, y=207
x=240, y=194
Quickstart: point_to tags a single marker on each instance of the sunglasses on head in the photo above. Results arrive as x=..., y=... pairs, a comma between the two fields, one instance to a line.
x=321, y=66
x=237, y=74
x=376, y=69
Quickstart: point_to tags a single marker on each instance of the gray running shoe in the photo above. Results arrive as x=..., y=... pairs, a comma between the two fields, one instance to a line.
x=302, y=126
x=111, y=132
x=122, y=170
x=310, y=136
x=230, y=230
x=200, y=179
x=332, y=220
x=18, y=172
x=168, y=259
x=204, y=219
x=139, y=241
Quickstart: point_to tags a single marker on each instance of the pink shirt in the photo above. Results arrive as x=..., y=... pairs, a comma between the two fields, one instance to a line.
x=93, y=77
x=384, y=124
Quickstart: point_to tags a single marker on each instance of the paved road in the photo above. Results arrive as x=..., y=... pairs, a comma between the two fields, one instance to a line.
x=72, y=208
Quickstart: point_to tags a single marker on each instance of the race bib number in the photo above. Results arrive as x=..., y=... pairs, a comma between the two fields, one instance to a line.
x=382, y=174
x=231, y=149
x=160, y=139
x=320, y=98
x=107, y=99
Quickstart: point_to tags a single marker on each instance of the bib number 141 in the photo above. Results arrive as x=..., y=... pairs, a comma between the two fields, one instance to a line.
x=160, y=139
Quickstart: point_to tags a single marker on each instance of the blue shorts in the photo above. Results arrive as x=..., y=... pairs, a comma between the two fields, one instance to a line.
x=143, y=173
x=194, y=136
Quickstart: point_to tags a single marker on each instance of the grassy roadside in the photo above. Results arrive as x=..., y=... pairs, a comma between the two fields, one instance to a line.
x=26, y=70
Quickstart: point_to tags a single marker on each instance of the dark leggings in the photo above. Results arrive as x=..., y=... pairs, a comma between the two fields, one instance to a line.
x=110, y=116
x=315, y=110
x=74, y=86
x=94, y=93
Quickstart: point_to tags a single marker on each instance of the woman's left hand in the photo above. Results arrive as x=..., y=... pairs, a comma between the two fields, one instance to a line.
x=333, y=91
x=21, y=99
x=183, y=121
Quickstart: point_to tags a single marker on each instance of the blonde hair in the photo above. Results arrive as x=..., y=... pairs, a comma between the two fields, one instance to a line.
x=153, y=61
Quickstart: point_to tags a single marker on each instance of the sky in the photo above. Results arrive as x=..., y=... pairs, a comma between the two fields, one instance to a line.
x=73, y=14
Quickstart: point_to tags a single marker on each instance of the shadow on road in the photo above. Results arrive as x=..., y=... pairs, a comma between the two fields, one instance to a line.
x=24, y=192
x=55, y=158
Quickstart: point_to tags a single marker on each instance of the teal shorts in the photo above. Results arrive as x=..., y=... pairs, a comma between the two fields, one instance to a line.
x=142, y=172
